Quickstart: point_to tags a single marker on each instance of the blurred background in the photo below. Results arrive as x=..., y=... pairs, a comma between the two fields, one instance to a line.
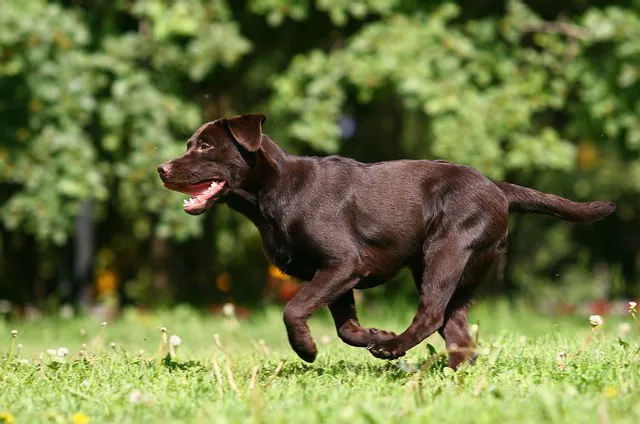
x=96, y=93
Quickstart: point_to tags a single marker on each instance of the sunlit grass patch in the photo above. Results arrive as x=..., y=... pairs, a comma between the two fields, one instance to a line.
x=179, y=365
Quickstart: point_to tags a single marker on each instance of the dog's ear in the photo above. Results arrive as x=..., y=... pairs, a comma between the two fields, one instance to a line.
x=247, y=130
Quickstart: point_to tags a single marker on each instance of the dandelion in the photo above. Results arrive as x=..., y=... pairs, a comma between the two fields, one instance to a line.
x=623, y=329
x=633, y=311
x=62, y=352
x=473, y=329
x=79, y=418
x=163, y=332
x=52, y=352
x=113, y=345
x=175, y=341
x=596, y=321
x=14, y=334
x=229, y=310
x=103, y=324
x=6, y=418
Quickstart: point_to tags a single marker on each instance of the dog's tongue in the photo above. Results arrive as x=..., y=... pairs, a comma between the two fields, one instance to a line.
x=190, y=189
x=200, y=193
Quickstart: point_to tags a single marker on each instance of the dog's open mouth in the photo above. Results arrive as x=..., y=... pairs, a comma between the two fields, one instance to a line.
x=203, y=194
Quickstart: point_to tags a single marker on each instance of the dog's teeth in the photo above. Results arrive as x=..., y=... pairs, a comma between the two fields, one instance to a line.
x=185, y=202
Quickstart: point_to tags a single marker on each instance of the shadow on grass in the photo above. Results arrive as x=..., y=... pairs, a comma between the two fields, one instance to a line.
x=390, y=370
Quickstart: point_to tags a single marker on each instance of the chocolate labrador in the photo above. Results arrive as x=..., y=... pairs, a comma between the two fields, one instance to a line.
x=344, y=225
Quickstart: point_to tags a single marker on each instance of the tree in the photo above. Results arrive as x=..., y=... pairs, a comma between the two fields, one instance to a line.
x=98, y=93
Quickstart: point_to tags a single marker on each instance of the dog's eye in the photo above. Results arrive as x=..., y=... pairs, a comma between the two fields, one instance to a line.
x=204, y=147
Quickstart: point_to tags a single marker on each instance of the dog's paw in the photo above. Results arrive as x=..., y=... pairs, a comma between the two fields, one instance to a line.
x=307, y=354
x=386, y=350
x=380, y=336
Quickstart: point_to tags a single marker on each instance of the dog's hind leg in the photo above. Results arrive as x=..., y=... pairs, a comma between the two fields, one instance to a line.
x=455, y=330
x=444, y=262
x=349, y=329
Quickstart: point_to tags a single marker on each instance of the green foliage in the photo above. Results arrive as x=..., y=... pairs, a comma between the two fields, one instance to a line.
x=94, y=98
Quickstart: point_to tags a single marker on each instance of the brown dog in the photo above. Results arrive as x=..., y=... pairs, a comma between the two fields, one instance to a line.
x=345, y=225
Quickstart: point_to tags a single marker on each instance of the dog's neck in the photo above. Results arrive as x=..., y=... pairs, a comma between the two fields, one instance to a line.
x=270, y=170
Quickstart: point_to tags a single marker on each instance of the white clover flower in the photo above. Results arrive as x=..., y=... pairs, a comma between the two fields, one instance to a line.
x=596, y=321
x=175, y=341
x=473, y=328
x=113, y=345
x=103, y=324
x=229, y=310
x=135, y=396
x=52, y=352
x=632, y=307
x=62, y=352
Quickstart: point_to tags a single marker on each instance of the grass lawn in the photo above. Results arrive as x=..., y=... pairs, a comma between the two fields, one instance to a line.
x=519, y=377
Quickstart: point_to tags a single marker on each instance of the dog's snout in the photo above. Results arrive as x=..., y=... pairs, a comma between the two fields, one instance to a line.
x=164, y=168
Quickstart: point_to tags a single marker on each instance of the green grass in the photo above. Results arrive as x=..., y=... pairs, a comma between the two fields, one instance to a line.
x=516, y=379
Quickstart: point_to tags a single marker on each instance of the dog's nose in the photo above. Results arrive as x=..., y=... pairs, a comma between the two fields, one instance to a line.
x=164, y=169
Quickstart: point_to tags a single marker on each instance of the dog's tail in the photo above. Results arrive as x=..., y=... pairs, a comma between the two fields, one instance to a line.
x=524, y=199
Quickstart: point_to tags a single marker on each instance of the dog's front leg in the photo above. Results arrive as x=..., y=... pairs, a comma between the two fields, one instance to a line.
x=325, y=288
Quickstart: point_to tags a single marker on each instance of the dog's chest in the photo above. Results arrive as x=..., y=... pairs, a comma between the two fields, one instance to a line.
x=284, y=252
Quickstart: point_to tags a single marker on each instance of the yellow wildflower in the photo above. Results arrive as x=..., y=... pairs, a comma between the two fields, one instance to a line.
x=79, y=418
x=6, y=418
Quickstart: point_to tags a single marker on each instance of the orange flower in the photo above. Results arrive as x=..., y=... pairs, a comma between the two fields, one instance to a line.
x=275, y=272
x=107, y=282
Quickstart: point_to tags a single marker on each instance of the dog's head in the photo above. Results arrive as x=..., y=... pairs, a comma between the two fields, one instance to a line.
x=219, y=158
